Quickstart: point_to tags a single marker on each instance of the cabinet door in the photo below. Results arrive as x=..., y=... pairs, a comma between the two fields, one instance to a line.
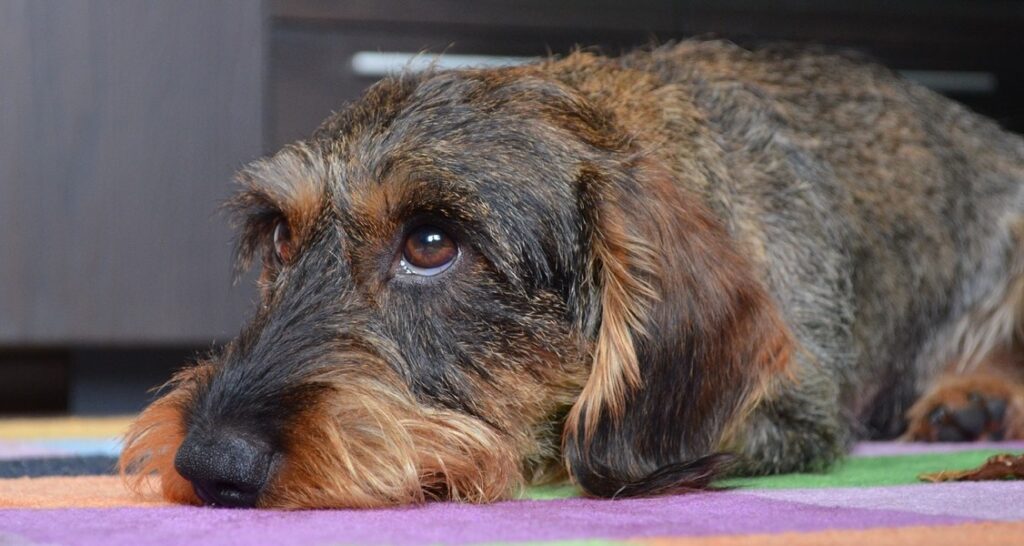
x=121, y=124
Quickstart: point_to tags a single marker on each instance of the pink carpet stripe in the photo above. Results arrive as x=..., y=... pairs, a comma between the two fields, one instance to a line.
x=10, y=450
x=982, y=500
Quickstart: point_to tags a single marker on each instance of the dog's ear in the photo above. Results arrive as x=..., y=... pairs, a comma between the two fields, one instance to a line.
x=685, y=337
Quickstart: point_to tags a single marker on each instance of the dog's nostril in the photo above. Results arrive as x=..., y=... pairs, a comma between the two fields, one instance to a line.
x=225, y=468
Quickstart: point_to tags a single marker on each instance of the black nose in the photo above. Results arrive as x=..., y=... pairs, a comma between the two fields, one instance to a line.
x=226, y=468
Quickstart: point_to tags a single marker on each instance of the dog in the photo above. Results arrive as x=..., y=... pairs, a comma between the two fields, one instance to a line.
x=635, y=273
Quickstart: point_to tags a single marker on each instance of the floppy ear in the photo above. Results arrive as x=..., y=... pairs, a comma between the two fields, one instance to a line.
x=684, y=338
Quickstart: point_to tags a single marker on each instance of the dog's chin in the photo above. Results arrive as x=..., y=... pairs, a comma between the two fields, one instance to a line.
x=368, y=444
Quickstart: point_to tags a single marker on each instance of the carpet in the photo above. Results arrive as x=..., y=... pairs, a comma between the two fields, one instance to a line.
x=57, y=488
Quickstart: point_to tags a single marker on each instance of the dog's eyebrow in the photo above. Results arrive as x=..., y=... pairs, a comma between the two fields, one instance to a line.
x=381, y=207
x=292, y=182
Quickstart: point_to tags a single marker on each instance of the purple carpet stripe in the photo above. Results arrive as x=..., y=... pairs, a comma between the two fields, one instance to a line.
x=878, y=449
x=688, y=515
x=14, y=540
x=982, y=500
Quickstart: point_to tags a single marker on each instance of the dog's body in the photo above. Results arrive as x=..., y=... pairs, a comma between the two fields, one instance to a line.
x=885, y=220
x=643, y=261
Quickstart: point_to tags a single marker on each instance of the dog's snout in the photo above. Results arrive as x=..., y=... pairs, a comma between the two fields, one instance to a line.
x=225, y=468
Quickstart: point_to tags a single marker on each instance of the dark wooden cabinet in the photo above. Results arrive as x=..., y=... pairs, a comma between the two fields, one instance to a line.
x=550, y=15
x=121, y=124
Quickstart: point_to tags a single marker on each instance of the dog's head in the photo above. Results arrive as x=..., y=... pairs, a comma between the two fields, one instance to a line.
x=470, y=280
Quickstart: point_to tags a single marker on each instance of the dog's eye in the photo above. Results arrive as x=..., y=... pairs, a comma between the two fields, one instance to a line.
x=428, y=251
x=282, y=242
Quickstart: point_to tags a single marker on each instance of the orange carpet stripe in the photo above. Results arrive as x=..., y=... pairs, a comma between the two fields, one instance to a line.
x=71, y=492
x=973, y=534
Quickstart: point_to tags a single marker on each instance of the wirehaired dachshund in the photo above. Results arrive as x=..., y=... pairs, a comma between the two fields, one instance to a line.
x=635, y=273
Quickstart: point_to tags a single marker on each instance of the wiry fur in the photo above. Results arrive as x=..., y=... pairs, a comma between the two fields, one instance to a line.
x=665, y=256
x=368, y=443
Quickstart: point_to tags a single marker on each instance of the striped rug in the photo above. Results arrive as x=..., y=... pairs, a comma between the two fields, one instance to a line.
x=57, y=488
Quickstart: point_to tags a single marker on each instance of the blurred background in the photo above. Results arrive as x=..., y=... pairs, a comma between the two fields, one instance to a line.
x=122, y=121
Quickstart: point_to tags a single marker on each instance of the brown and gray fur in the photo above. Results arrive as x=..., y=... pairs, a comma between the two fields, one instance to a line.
x=665, y=256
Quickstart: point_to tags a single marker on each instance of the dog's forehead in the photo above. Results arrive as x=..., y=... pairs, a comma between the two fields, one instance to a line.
x=448, y=124
x=458, y=138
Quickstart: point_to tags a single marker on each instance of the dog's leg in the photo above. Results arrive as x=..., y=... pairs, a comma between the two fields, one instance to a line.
x=984, y=404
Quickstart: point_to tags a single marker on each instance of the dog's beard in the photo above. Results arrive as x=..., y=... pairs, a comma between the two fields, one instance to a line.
x=368, y=443
x=365, y=442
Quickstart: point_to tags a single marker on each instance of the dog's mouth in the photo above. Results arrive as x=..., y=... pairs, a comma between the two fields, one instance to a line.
x=225, y=494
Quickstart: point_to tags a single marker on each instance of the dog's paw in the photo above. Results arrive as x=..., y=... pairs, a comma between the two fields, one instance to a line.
x=967, y=409
x=979, y=418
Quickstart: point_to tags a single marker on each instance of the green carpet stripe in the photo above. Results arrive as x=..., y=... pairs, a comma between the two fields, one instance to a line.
x=869, y=471
x=550, y=492
x=852, y=472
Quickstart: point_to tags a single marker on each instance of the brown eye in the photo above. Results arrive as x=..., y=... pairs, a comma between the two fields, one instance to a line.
x=428, y=251
x=282, y=242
